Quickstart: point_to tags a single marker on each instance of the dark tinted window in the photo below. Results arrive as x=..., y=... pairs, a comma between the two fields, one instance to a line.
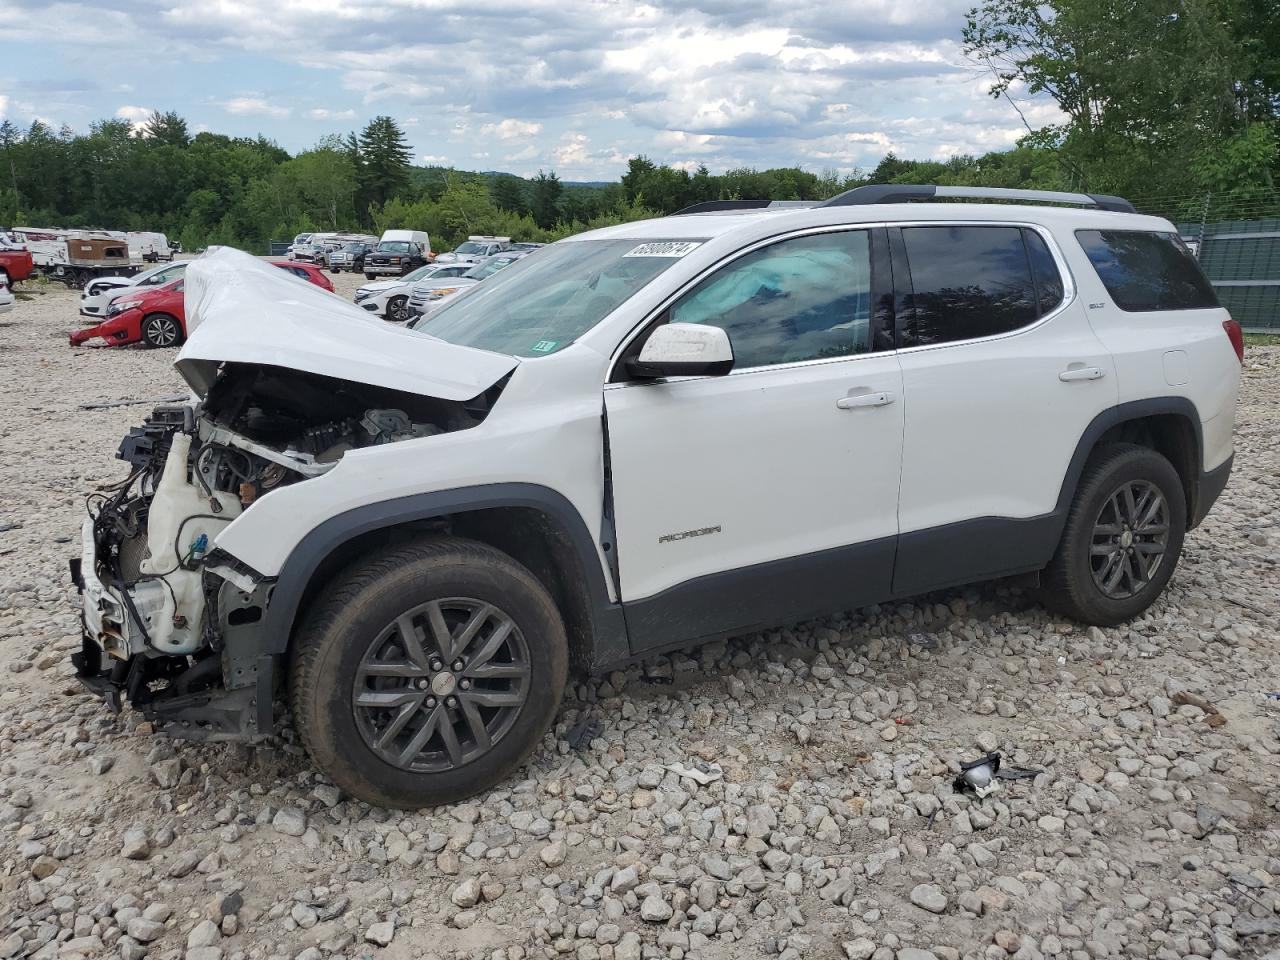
x=1049, y=288
x=798, y=299
x=1146, y=270
x=967, y=282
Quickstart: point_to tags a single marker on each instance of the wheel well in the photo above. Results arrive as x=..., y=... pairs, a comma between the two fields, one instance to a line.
x=528, y=535
x=1171, y=435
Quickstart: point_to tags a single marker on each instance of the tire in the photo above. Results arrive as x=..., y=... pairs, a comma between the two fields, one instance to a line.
x=161, y=330
x=1101, y=543
x=449, y=582
x=398, y=309
x=370, y=276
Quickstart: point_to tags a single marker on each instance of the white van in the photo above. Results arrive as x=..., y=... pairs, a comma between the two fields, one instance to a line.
x=148, y=247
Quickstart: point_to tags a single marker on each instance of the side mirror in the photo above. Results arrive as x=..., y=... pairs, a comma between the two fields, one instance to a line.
x=683, y=350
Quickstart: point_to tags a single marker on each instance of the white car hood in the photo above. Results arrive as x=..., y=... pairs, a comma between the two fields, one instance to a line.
x=377, y=286
x=242, y=310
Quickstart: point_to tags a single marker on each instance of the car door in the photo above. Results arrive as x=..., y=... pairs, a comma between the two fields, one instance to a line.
x=1004, y=375
x=770, y=493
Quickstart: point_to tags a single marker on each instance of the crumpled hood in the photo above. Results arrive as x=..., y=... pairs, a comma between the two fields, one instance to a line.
x=242, y=310
x=377, y=286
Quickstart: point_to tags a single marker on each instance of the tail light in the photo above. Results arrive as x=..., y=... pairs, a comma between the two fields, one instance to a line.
x=1236, y=336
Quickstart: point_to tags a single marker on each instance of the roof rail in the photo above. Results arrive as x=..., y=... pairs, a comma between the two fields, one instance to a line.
x=720, y=206
x=904, y=193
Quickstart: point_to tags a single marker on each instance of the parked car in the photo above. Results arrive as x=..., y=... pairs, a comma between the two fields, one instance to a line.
x=6, y=297
x=474, y=249
x=157, y=316
x=389, y=299
x=16, y=264
x=432, y=293
x=98, y=294
x=350, y=256
x=646, y=437
x=526, y=247
x=311, y=272
x=397, y=253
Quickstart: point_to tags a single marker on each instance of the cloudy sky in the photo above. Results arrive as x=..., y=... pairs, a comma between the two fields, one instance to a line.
x=572, y=85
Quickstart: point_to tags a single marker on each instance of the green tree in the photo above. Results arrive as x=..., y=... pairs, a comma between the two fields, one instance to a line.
x=167, y=128
x=508, y=193
x=546, y=199
x=383, y=160
x=1148, y=88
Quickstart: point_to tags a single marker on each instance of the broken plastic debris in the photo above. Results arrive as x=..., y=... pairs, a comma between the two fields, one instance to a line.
x=701, y=774
x=583, y=732
x=979, y=776
x=982, y=776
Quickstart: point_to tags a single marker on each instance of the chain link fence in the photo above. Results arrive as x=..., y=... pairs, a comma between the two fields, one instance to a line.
x=1237, y=241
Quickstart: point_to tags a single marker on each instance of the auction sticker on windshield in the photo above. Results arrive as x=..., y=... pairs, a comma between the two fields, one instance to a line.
x=665, y=248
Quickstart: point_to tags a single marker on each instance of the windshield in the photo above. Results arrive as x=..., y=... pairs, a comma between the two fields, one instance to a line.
x=469, y=247
x=393, y=246
x=545, y=302
x=354, y=247
x=489, y=267
x=420, y=274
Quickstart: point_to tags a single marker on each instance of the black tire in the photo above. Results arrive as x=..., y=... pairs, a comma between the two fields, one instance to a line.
x=341, y=635
x=398, y=309
x=161, y=330
x=370, y=276
x=1099, y=544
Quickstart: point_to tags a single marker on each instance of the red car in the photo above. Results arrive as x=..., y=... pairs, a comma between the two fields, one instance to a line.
x=157, y=316
x=15, y=265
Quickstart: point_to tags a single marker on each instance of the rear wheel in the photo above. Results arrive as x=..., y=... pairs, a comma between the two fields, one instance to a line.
x=161, y=330
x=370, y=276
x=428, y=673
x=398, y=309
x=1122, y=539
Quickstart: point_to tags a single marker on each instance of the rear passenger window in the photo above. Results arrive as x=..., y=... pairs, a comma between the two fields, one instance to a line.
x=1145, y=270
x=970, y=282
x=1049, y=288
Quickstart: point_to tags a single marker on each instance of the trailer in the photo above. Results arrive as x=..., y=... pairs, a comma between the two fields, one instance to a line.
x=76, y=256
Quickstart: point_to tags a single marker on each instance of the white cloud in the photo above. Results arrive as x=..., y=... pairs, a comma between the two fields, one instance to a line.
x=324, y=113
x=254, y=106
x=511, y=129
x=579, y=84
x=137, y=116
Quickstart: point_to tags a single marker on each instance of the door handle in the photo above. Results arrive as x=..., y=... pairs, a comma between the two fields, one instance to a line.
x=1078, y=371
x=876, y=398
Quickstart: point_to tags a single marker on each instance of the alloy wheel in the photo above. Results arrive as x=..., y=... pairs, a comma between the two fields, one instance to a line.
x=161, y=332
x=398, y=309
x=1129, y=539
x=441, y=685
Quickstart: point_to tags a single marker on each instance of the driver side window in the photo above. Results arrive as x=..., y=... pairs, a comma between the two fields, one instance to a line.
x=806, y=298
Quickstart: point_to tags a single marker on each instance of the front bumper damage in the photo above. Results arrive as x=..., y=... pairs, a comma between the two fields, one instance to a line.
x=228, y=694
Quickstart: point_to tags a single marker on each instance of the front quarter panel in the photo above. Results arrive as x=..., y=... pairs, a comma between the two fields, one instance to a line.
x=544, y=430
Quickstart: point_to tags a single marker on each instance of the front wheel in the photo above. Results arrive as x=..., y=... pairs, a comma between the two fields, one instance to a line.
x=427, y=674
x=161, y=330
x=370, y=276
x=1122, y=539
x=398, y=309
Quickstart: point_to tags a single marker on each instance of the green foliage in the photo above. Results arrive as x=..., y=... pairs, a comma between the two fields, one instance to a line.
x=1151, y=90
x=382, y=160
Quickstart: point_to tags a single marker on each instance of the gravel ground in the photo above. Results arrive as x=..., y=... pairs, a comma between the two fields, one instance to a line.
x=828, y=827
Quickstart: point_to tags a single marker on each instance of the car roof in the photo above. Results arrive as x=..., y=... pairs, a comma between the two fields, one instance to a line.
x=706, y=226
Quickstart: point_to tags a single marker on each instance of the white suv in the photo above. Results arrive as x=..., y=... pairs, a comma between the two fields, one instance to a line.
x=643, y=438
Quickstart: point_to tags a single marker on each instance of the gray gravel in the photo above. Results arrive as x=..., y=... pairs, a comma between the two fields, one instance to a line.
x=826, y=826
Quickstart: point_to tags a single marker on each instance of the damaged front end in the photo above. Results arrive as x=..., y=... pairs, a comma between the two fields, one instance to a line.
x=170, y=622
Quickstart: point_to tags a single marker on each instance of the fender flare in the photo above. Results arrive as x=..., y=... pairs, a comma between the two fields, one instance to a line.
x=1124, y=413
x=275, y=629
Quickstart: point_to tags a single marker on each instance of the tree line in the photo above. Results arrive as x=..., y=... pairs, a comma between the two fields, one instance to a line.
x=1159, y=100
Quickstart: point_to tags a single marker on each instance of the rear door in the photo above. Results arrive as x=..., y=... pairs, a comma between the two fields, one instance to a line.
x=1003, y=373
x=770, y=493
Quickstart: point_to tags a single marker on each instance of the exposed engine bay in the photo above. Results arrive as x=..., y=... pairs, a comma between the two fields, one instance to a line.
x=157, y=594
